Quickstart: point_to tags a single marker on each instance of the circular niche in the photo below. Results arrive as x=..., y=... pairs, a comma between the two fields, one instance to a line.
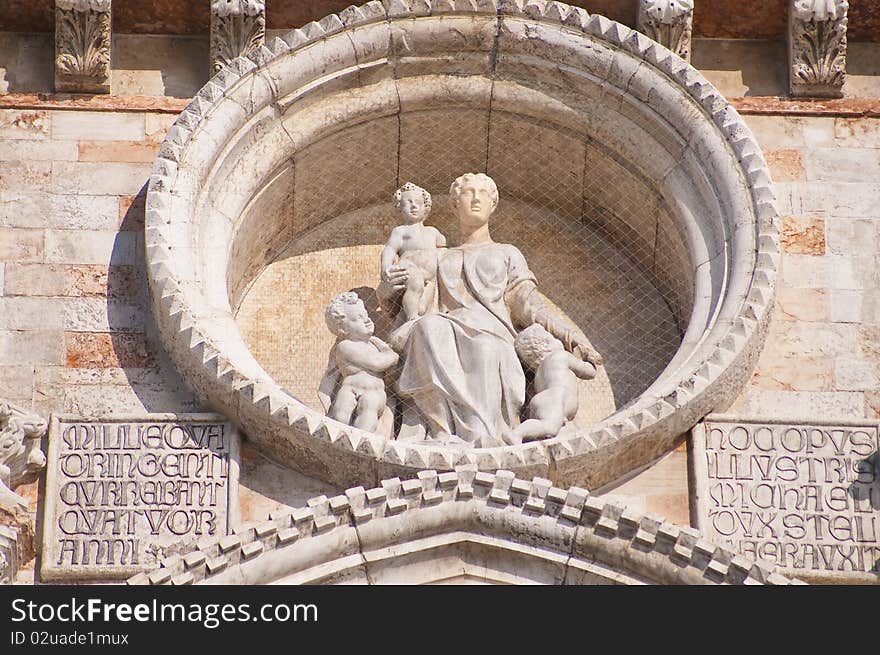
x=635, y=192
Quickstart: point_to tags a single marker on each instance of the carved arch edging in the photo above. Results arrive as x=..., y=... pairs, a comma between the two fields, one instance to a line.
x=592, y=456
x=333, y=537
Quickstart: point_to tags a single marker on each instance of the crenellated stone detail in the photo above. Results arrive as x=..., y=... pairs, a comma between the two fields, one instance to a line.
x=82, y=46
x=21, y=455
x=817, y=47
x=238, y=28
x=669, y=22
x=496, y=504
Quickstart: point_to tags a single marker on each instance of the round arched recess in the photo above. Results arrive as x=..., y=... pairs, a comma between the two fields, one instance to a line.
x=296, y=150
x=461, y=527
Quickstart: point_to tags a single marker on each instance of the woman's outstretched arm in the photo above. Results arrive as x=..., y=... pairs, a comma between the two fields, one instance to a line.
x=527, y=307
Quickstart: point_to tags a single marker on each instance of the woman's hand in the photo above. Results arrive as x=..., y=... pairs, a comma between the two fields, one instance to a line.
x=581, y=349
x=396, y=276
x=393, y=281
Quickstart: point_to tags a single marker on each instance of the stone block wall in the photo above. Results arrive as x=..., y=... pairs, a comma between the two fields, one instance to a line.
x=822, y=356
x=74, y=320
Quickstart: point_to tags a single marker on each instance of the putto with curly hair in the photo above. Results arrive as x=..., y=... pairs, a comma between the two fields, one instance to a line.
x=534, y=343
x=359, y=360
x=335, y=315
x=412, y=247
x=555, y=401
x=409, y=187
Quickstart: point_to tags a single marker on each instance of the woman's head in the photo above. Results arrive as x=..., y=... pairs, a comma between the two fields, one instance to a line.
x=473, y=197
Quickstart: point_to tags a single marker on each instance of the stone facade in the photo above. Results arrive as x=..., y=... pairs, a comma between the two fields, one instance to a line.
x=78, y=325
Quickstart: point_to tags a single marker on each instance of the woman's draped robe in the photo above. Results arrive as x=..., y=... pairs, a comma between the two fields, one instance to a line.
x=460, y=375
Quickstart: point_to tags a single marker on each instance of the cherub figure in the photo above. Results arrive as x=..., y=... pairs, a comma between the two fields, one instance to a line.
x=556, y=388
x=360, y=359
x=413, y=247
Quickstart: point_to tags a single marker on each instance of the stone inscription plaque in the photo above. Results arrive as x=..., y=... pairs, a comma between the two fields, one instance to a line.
x=805, y=496
x=121, y=493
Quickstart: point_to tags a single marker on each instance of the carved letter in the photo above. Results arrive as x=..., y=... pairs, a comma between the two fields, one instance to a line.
x=82, y=46
x=817, y=47
x=668, y=22
x=238, y=27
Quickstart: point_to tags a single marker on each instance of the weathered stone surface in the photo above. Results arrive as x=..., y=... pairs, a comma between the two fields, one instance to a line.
x=804, y=304
x=802, y=495
x=123, y=493
x=843, y=164
x=37, y=150
x=30, y=174
x=21, y=245
x=803, y=235
x=124, y=151
x=35, y=347
x=785, y=165
x=97, y=126
x=106, y=350
x=71, y=280
x=117, y=179
x=27, y=209
x=93, y=247
x=18, y=124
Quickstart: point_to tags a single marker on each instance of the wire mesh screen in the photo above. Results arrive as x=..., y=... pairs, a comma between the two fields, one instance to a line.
x=603, y=248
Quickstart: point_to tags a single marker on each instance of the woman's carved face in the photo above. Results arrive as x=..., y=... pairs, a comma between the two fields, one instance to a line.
x=474, y=203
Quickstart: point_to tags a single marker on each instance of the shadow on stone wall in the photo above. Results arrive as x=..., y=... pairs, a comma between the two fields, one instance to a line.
x=137, y=350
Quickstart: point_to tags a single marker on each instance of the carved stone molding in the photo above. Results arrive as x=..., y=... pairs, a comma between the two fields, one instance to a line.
x=82, y=46
x=238, y=27
x=536, y=532
x=669, y=22
x=20, y=451
x=817, y=47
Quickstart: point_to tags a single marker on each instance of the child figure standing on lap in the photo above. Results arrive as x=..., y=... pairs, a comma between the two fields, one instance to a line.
x=413, y=246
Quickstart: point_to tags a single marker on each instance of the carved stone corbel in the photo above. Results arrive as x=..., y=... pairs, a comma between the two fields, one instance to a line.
x=817, y=47
x=237, y=28
x=21, y=455
x=669, y=22
x=82, y=46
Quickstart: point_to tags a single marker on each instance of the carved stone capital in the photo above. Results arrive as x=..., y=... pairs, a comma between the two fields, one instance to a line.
x=817, y=47
x=82, y=46
x=21, y=455
x=669, y=22
x=237, y=28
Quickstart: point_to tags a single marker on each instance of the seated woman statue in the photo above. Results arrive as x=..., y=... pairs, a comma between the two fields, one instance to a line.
x=460, y=379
